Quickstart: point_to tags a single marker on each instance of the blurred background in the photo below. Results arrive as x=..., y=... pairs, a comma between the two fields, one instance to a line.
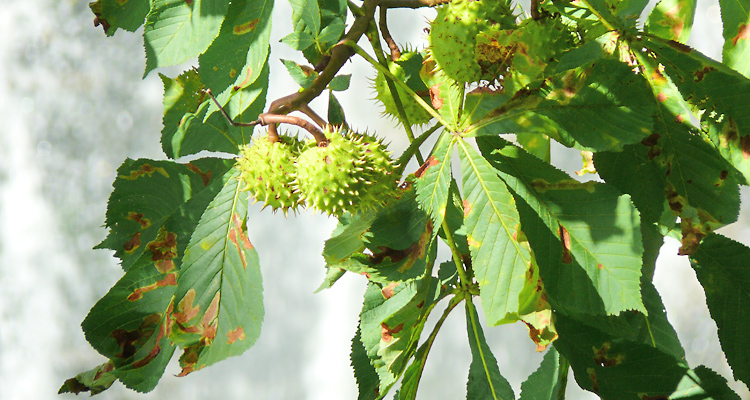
x=73, y=106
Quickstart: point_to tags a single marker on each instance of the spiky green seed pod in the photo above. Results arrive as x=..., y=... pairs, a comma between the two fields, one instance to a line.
x=268, y=170
x=406, y=69
x=350, y=173
x=453, y=35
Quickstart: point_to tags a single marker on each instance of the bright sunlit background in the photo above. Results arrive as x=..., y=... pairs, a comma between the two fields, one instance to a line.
x=73, y=107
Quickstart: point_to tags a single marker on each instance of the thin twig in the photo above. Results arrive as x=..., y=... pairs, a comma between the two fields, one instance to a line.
x=383, y=24
x=272, y=119
x=231, y=122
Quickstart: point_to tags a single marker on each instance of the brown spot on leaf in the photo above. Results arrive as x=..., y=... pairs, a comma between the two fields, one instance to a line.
x=163, y=249
x=652, y=143
x=239, y=238
x=600, y=266
x=145, y=170
x=210, y=321
x=205, y=176
x=745, y=146
x=743, y=32
x=437, y=101
x=133, y=243
x=680, y=47
x=701, y=73
x=189, y=2
x=431, y=162
x=245, y=28
x=235, y=335
x=169, y=280
x=130, y=341
x=566, y=257
x=388, y=290
x=603, y=359
x=661, y=97
x=246, y=81
x=185, y=309
x=467, y=208
x=692, y=235
x=594, y=380
x=138, y=217
x=387, y=332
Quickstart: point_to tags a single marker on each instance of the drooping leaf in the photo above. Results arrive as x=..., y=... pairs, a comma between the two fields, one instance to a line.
x=149, y=194
x=367, y=379
x=433, y=179
x=130, y=324
x=391, y=322
x=672, y=19
x=721, y=265
x=579, y=227
x=237, y=57
x=178, y=30
x=579, y=104
x=399, y=238
x=94, y=381
x=115, y=14
x=735, y=18
x=298, y=40
x=485, y=380
x=218, y=304
x=340, y=83
x=546, y=382
x=492, y=225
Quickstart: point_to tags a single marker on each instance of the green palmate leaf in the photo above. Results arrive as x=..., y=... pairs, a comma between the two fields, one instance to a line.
x=735, y=16
x=177, y=30
x=576, y=230
x=721, y=265
x=672, y=19
x=199, y=128
x=332, y=16
x=546, y=383
x=485, y=380
x=367, y=379
x=579, y=104
x=150, y=194
x=115, y=14
x=237, y=57
x=702, y=383
x=433, y=179
x=218, y=304
x=454, y=219
x=391, y=322
x=715, y=88
x=491, y=226
x=95, y=381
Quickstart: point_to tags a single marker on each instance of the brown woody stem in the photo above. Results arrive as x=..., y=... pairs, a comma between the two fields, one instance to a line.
x=383, y=24
x=272, y=119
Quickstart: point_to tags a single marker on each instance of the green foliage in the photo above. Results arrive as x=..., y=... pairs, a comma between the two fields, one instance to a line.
x=665, y=129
